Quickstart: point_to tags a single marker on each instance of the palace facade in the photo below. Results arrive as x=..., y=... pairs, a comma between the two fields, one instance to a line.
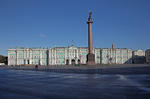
x=68, y=56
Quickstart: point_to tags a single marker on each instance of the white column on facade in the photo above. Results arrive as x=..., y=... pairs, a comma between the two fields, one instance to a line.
x=115, y=56
x=65, y=58
x=16, y=57
x=8, y=58
x=121, y=56
x=55, y=57
x=40, y=58
x=49, y=57
x=95, y=55
x=30, y=56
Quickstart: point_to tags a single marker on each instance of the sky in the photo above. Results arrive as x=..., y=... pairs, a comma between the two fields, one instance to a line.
x=54, y=23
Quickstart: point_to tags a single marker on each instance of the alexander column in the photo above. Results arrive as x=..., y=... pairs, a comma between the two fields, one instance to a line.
x=90, y=55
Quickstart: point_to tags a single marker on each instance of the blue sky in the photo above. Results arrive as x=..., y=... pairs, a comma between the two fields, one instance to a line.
x=50, y=23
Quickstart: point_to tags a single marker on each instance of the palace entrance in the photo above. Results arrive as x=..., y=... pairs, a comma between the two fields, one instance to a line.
x=72, y=62
x=79, y=61
x=28, y=62
x=67, y=62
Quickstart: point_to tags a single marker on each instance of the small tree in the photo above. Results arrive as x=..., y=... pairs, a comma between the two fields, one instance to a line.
x=3, y=59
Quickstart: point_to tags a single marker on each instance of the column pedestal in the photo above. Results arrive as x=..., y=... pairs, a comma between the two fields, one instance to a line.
x=90, y=59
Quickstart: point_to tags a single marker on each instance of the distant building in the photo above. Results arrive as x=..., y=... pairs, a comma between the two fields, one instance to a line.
x=68, y=56
x=138, y=56
x=27, y=56
x=147, y=55
x=116, y=56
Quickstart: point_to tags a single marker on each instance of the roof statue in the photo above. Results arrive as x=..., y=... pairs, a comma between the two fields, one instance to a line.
x=90, y=14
